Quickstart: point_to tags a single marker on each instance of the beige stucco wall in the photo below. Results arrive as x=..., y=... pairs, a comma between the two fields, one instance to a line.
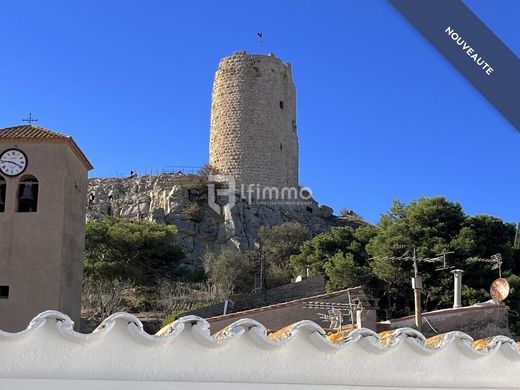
x=41, y=253
x=278, y=316
x=252, y=138
x=479, y=320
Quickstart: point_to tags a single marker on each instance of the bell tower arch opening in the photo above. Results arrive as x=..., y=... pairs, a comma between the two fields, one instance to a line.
x=28, y=194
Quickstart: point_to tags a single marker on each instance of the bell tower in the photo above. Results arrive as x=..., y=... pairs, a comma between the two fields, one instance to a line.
x=43, y=185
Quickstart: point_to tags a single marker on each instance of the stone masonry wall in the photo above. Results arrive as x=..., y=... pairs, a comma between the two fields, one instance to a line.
x=253, y=121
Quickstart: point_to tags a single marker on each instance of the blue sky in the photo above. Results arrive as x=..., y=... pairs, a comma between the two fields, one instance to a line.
x=381, y=115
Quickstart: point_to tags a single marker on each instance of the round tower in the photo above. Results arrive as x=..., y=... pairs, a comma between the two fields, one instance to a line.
x=253, y=121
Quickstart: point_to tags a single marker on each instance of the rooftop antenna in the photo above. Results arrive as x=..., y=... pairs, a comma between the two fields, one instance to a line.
x=30, y=119
x=496, y=260
x=336, y=311
x=500, y=288
x=410, y=255
x=443, y=255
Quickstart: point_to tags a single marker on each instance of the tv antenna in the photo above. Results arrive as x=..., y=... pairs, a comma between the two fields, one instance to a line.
x=443, y=257
x=496, y=260
x=336, y=311
x=410, y=255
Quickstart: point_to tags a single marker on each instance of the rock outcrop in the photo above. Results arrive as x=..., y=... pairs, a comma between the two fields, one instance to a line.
x=181, y=200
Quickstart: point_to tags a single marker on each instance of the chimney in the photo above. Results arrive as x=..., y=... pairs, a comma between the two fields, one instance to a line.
x=359, y=321
x=457, y=287
x=366, y=318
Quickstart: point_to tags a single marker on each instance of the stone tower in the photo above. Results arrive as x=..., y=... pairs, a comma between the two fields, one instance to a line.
x=253, y=121
x=43, y=186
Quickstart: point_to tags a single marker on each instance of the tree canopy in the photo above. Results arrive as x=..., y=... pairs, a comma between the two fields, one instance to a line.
x=367, y=255
x=276, y=245
x=137, y=250
x=315, y=253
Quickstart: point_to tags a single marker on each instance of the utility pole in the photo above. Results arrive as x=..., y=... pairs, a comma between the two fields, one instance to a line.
x=417, y=287
x=263, y=269
x=517, y=237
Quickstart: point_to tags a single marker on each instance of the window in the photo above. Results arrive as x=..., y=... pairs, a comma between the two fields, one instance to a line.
x=3, y=188
x=281, y=148
x=28, y=195
x=4, y=292
x=281, y=104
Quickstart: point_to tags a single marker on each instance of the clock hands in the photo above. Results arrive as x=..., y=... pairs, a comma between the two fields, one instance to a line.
x=11, y=162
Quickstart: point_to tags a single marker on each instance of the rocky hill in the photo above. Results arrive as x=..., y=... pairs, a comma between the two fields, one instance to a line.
x=181, y=200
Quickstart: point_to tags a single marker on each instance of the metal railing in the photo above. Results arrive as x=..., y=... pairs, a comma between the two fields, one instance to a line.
x=181, y=169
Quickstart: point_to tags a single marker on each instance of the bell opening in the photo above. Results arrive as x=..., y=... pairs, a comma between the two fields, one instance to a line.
x=28, y=195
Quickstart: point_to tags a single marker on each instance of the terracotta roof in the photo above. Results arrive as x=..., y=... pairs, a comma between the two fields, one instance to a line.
x=30, y=132
x=37, y=133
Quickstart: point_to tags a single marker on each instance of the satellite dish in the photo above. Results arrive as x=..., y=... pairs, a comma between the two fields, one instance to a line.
x=298, y=279
x=499, y=289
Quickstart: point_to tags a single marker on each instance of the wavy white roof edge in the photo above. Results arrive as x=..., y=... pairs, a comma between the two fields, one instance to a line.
x=120, y=349
x=201, y=329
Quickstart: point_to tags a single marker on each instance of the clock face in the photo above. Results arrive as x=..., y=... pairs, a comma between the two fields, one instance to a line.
x=13, y=162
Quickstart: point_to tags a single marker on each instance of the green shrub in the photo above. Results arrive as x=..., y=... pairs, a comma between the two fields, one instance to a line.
x=192, y=211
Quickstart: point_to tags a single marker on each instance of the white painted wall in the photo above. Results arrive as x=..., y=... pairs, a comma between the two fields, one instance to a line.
x=50, y=384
